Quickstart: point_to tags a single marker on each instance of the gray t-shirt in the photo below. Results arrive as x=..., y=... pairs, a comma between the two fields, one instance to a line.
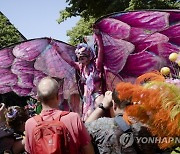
x=106, y=136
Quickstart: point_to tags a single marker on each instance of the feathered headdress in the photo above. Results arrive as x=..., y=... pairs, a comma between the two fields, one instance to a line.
x=157, y=104
x=150, y=76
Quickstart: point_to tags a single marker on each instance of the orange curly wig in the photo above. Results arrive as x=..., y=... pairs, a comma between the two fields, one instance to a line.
x=150, y=76
x=153, y=107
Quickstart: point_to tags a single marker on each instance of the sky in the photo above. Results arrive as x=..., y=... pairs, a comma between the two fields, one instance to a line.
x=37, y=18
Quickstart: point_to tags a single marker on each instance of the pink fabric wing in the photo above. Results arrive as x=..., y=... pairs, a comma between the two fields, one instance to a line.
x=152, y=40
x=151, y=36
x=173, y=33
x=7, y=78
x=24, y=64
x=115, y=53
x=5, y=89
x=30, y=50
x=112, y=80
x=20, y=66
x=114, y=28
x=150, y=20
x=21, y=91
x=38, y=75
x=25, y=80
x=144, y=39
x=6, y=58
x=140, y=63
x=51, y=63
x=164, y=49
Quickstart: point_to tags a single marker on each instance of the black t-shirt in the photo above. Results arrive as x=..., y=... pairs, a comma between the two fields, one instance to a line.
x=8, y=137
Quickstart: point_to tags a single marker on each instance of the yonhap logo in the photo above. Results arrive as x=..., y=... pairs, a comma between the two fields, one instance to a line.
x=126, y=139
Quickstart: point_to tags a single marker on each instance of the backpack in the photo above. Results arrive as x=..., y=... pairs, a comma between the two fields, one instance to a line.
x=136, y=131
x=50, y=137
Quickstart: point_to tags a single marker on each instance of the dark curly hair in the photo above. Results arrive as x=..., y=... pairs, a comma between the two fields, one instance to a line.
x=15, y=116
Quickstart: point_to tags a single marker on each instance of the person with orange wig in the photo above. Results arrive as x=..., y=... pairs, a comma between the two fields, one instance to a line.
x=156, y=104
x=107, y=132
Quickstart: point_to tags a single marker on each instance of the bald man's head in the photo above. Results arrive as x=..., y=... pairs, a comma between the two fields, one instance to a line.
x=47, y=89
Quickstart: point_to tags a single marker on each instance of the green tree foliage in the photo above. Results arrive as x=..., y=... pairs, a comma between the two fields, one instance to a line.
x=8, y=33
x=153, y=4
x=90, y=10
x=96, y=9
x=82, y=28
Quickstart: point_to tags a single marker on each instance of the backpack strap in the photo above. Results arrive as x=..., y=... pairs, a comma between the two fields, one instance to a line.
x=63, y=113
x=38, y=118
x=122, y=123
x=127, y=128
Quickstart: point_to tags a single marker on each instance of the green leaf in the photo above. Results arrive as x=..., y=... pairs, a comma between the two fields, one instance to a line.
x=8, y=33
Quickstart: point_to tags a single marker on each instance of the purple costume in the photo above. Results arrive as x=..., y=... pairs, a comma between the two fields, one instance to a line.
x=129, y=44
x=90, y=74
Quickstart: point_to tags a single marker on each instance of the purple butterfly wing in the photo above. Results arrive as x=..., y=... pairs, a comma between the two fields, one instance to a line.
x=6, y=58
x=138, y=42
x=7, y=78
x=116, y=52
x=50, y=62
x=23, y=65
x=30, y=50
x=112, y=80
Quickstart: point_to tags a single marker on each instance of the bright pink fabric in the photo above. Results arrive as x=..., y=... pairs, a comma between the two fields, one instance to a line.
x=79, y=134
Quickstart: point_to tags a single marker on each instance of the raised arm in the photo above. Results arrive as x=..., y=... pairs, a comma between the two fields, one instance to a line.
x=65, y=56
x=99, y=112
x=99, y=61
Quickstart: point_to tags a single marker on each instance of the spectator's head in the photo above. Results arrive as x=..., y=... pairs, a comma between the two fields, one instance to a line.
x=47, y=91
x=121, y=97
x=16, y=117
x=119, y=105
